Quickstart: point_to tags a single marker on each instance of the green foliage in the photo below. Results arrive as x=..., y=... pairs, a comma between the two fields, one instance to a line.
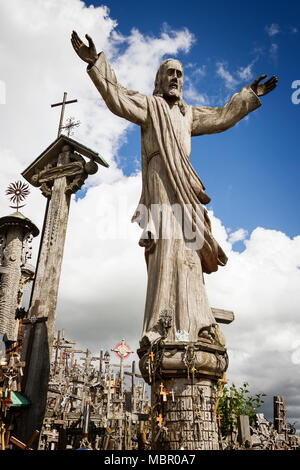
x=235, y=402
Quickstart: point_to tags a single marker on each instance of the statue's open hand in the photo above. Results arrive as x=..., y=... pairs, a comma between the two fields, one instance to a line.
x=86, y=53
x=262, y=89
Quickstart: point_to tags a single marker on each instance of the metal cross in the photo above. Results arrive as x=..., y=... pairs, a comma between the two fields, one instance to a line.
x=62, y=104
x=70, y=124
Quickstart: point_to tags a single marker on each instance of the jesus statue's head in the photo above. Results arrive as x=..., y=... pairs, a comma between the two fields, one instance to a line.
x=169, y=80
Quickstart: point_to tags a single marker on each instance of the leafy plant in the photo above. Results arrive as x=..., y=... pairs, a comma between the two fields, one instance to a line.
x=235, y=402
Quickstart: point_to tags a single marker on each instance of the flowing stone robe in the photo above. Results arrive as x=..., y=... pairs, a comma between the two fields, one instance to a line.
x=175, y=265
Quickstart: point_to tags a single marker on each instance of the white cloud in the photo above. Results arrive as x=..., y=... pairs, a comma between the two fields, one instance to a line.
x=261, y=285
x=238, y=235
x=272, y=29
x=274, y=51
x=222, y=71
x=239, y=77
x=199, y=71
x=193, y=96
x=246, y=73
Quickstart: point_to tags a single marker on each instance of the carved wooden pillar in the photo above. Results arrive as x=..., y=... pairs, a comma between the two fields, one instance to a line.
x=183, y=376
x=15, y=233
x=52, y=247
x=59, y=172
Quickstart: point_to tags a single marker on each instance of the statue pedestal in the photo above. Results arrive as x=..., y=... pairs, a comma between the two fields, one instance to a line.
x=183, y=393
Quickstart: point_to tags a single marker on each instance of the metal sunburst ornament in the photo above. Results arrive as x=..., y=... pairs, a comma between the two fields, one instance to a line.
x=19, y=192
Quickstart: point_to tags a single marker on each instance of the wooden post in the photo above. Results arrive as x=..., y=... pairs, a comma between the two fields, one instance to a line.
x=279, y=414
x=244, y=436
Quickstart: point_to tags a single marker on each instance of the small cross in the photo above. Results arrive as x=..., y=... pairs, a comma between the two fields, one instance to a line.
x=219, y=420
x=70, y=124
x=159, y=419
x=151, y=356
x=62, y=104
x=163, y=392
x=222, y=381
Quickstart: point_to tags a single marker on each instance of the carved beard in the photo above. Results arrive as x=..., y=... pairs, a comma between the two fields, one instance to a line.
x=158, y=91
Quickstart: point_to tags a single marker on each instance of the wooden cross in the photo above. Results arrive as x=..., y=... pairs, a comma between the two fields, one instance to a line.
x=29, y=443
x=222, y=381
x=62, y=104
x=59, y=344
x=219, y=420
x=133, y=384
x=73, y=351
x=33, y=320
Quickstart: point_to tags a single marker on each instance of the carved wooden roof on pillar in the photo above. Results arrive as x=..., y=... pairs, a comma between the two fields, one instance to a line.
x=51, y=152
x=18, y=219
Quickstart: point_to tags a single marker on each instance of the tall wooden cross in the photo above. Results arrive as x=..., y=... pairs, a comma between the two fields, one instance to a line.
x=122, y=350
x=62, y=104
x=133, y=385
x=59, y=344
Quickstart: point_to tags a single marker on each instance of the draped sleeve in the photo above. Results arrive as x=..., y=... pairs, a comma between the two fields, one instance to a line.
x=208, y=120
x=128, y=104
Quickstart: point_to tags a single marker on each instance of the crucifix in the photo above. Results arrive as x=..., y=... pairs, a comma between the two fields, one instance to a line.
x=62, y=104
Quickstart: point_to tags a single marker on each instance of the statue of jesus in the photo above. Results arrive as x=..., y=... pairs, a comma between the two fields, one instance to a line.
x=175, y=265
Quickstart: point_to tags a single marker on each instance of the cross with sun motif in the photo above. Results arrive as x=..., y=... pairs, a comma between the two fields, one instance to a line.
x=18, y=191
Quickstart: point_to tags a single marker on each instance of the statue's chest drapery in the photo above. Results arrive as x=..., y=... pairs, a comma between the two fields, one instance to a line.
x=182, y=126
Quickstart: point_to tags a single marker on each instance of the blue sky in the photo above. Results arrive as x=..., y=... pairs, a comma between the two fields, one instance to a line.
x=251, y=172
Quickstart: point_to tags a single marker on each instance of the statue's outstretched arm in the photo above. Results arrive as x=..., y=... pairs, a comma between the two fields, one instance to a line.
x=124, y=103
x=208, y=120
